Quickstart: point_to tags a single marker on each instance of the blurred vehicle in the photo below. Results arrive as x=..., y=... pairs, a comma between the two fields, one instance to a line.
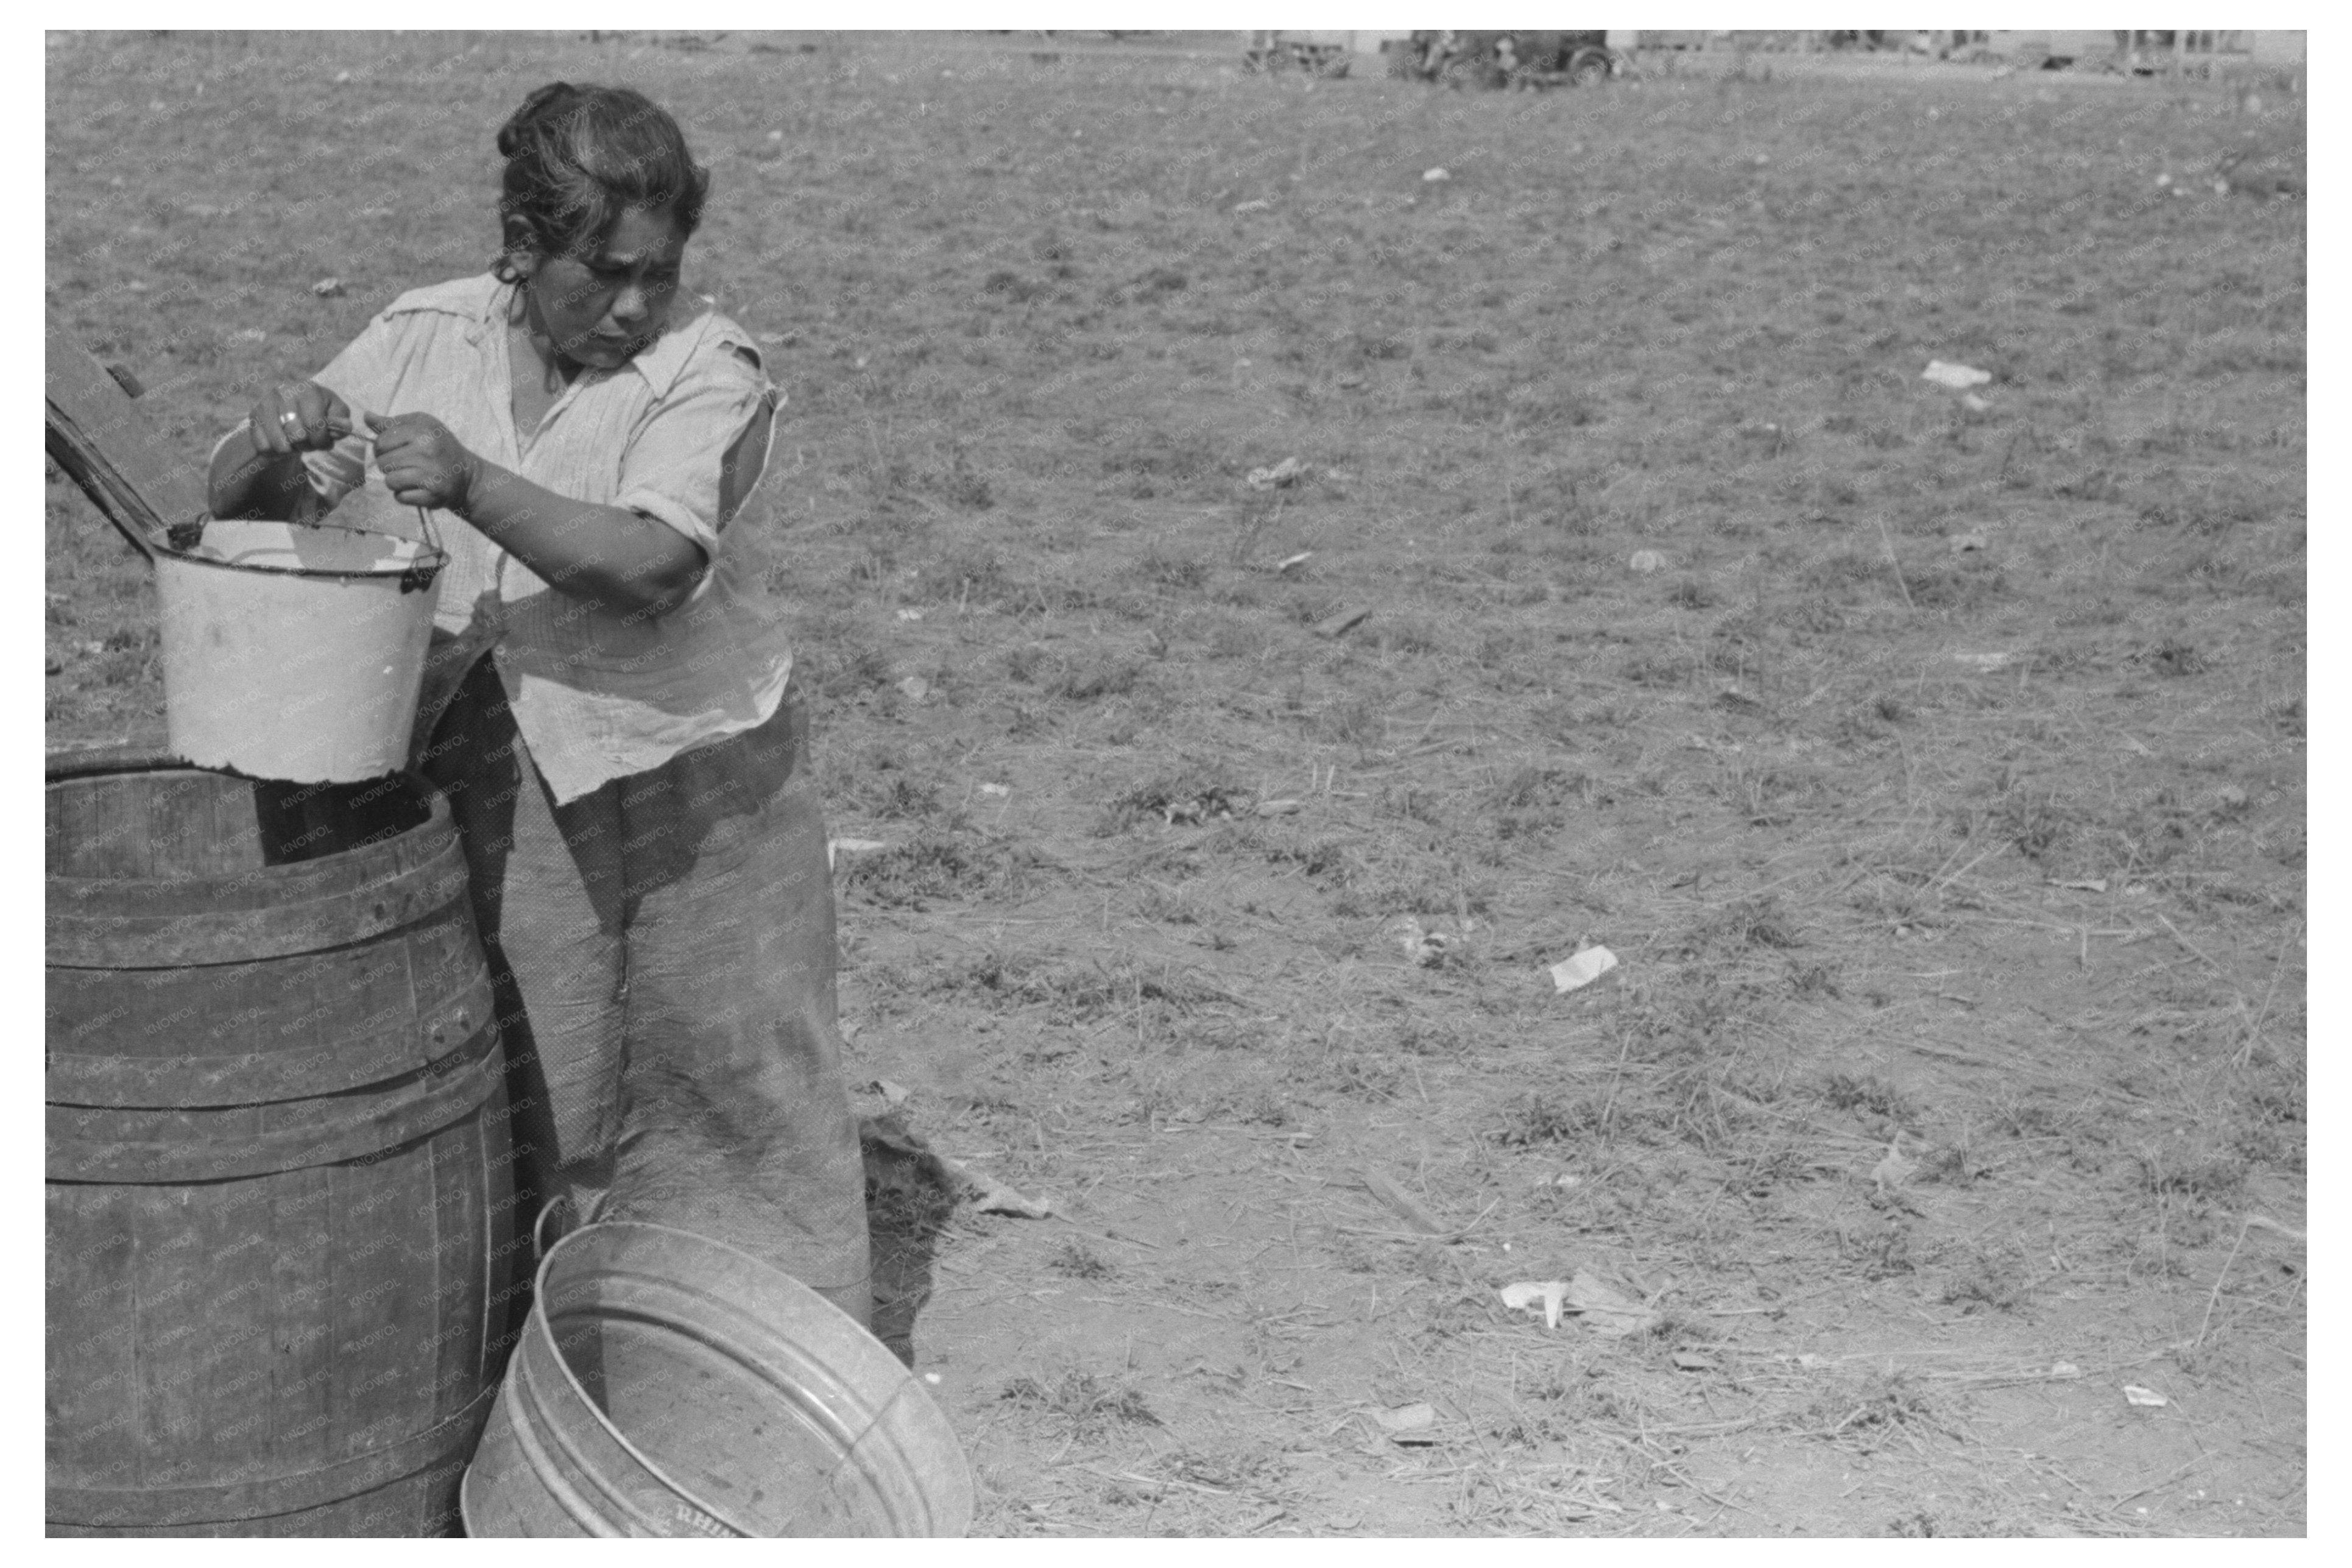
x=1513, y=60
x=1318, y=54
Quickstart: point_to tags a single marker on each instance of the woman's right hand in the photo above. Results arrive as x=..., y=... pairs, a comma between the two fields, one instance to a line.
x=298, y=416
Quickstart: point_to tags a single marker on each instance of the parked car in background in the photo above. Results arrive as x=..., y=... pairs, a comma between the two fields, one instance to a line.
x=1512, y=59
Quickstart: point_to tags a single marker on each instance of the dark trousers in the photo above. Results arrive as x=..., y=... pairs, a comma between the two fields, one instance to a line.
x=664, y=953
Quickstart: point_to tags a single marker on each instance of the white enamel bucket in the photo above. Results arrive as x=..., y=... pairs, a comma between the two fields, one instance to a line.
x=294, y=652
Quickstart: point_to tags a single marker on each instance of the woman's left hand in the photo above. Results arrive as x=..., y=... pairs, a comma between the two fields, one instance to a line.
x=423, y=464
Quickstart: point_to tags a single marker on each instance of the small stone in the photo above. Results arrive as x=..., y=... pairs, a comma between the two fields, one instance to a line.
x=1400, y=1421
x=1282, y=476
x=1646, y=562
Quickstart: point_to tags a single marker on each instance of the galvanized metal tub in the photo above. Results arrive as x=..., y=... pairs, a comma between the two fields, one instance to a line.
x=668, y=1384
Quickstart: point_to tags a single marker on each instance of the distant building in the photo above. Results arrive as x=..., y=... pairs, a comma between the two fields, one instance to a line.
x=2148, y=51
x=2277, y=49
x=2073, y=45
x=1354, y=41
x=2092, y=48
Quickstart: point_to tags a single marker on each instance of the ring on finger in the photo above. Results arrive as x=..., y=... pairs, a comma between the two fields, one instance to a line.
x=292, y=420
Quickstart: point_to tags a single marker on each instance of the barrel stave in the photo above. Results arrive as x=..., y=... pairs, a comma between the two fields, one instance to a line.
x=281, y=1243
x=271, y=1030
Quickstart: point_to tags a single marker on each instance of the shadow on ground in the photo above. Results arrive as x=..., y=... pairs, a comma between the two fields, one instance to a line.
x=908, y=1198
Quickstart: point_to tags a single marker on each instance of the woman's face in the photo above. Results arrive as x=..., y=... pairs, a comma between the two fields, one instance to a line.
x=605, y=304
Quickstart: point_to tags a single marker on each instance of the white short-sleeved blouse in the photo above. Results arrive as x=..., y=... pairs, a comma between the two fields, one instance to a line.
x=598, y=695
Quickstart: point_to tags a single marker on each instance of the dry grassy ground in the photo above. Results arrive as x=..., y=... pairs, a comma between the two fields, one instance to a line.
x=1942, y=789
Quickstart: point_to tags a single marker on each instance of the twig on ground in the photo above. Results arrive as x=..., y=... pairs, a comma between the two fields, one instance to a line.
x=1668, y=1465
x=2191, y=947
x=1964, y=1058
x=2245, y=1051
x=1894, y=566
x=2243, y=1227
x=1947, y=881
x=1104, y=1236
x=2178, y=1470
x=1397, y=1198
x=1468, y=1421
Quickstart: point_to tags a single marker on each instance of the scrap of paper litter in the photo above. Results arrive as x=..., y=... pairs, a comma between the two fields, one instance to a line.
x=1573, y=973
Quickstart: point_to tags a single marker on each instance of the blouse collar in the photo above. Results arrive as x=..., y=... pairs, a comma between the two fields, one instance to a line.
x=659, y=364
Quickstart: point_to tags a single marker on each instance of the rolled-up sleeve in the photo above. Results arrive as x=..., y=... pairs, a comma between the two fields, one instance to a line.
x=675, y=466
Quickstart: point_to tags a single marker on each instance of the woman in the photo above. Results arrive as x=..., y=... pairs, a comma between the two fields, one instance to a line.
x=627, y=762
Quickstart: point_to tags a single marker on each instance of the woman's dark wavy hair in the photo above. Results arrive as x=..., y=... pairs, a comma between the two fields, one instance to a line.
x=577, y=157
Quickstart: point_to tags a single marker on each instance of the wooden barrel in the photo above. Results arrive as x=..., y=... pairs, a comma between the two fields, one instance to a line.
x=281, y=1243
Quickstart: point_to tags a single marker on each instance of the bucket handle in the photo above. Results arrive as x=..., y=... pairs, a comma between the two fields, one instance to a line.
x=560, y=1203
x=422, y=571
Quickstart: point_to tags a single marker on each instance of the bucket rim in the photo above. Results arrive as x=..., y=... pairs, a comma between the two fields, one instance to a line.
x=70, y=763
x=429, y=559
x=540, y=1325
